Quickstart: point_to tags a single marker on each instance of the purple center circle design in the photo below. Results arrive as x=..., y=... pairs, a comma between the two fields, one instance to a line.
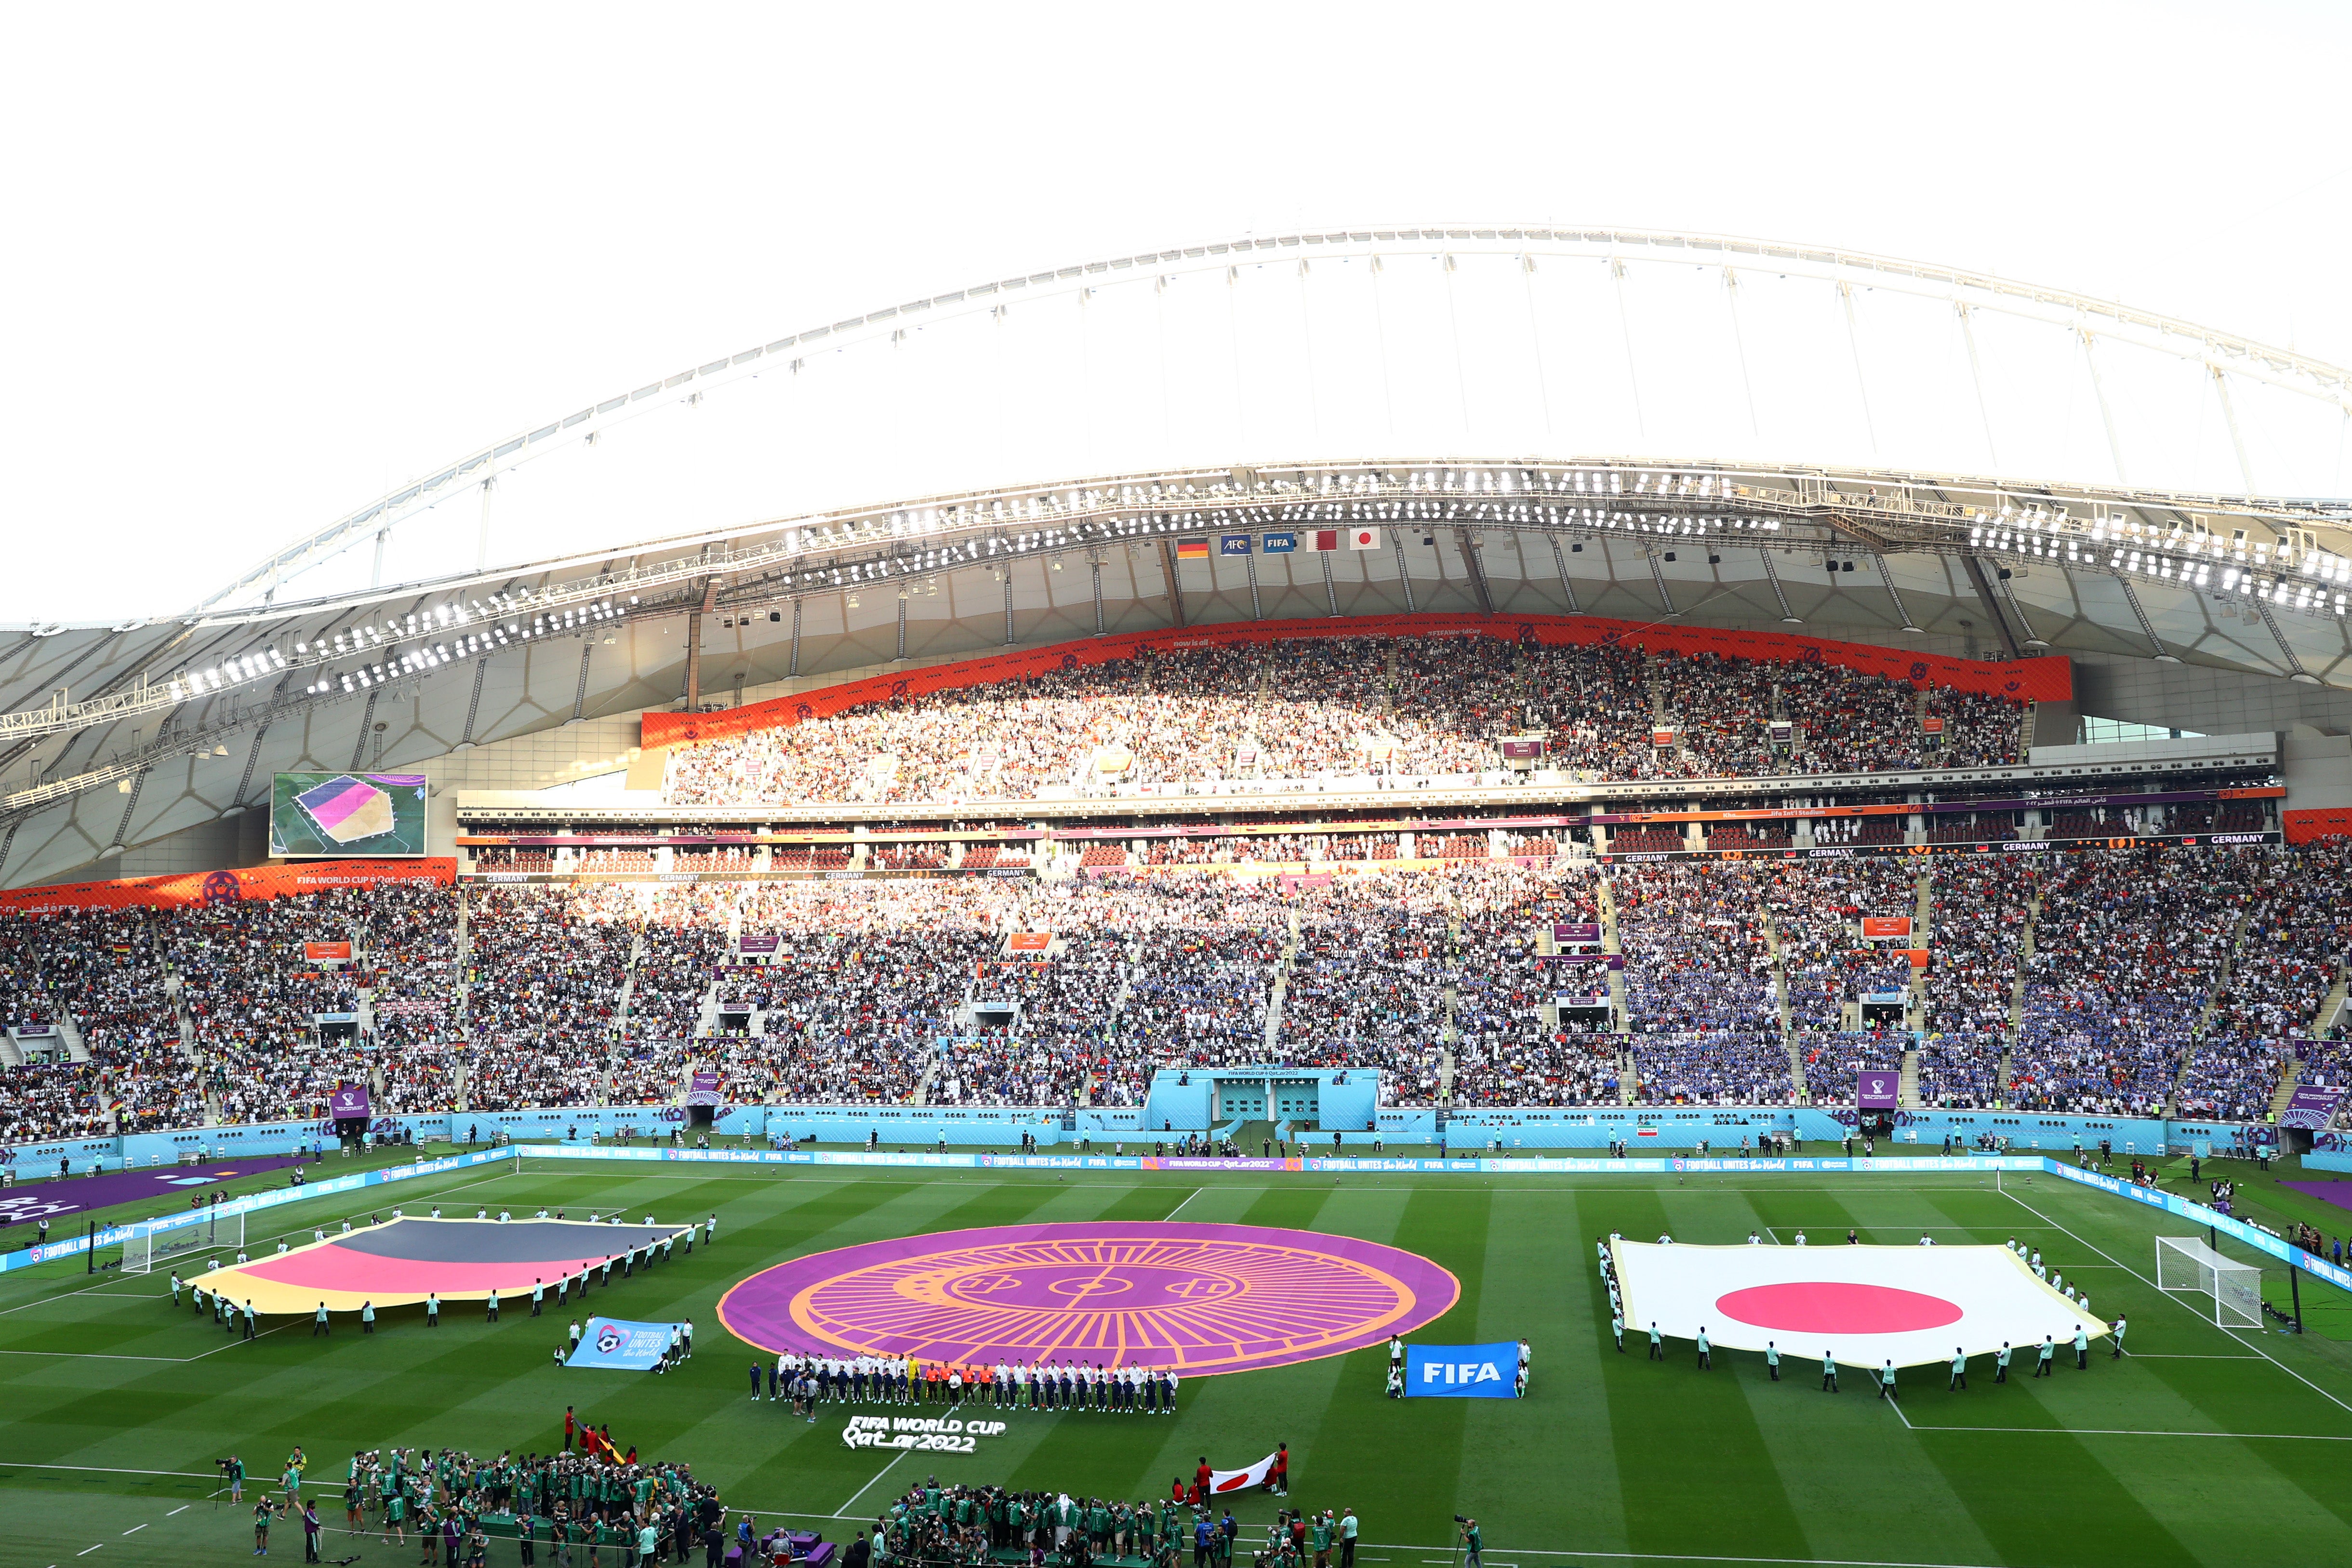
x=1199, y=1299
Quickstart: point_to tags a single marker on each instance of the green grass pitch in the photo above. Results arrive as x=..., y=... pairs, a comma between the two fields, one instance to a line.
x=2201, y=1447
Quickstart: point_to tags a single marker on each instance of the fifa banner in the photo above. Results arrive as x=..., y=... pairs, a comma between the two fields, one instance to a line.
x=623, y=1346
x=1241, y=1480
x=1462, y=1372
x=349, y=1103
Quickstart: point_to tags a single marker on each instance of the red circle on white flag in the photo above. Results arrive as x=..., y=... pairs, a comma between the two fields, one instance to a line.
x=1363, y=536
x=1831, y=1307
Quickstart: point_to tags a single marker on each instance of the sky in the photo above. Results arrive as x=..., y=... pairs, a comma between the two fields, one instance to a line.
x=265, y=262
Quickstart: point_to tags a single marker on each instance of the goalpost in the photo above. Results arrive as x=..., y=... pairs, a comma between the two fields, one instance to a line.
x=158, y=1243
x=2187, y=1266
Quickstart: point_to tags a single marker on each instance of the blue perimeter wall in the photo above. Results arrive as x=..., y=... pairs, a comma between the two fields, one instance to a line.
x=901, y=1126
x=2170, y=1202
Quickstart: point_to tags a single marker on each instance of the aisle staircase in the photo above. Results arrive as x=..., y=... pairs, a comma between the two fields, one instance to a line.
x=1278, y=991
x=1780, y=1005
x=2205, y=1015
x=1605, y=901
x=2016, y=1002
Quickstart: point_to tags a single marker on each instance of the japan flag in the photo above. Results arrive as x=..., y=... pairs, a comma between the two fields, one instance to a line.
x=1364, y=538
x=1862, y=1305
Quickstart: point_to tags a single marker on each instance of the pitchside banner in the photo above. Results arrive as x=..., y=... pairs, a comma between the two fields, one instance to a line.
x=1462, y=1372
x=622, y=1345
x=2311, y=1107
x=348, y=1100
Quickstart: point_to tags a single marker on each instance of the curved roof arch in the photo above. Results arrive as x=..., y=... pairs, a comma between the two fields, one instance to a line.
x=2226, y=369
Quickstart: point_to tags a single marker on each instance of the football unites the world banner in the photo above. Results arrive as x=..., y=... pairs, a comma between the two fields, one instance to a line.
x=620, y=1345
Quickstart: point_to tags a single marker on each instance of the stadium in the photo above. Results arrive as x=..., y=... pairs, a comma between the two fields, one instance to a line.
x=1414, y=783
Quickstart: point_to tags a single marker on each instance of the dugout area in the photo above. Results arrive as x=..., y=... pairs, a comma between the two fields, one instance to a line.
x=2201, y=1446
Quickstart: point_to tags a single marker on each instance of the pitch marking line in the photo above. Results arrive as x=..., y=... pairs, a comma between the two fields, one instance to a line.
x=1701, y=1557
x=870, y=1485
x=2177, y=1301
x=1180, y=1208
x=2142, y=1432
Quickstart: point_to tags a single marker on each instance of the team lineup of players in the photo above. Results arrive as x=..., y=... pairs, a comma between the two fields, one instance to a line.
x=2044, y=1355
x=809, y=1381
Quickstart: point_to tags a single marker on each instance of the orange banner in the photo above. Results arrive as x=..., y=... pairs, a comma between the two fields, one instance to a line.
x=327, y=951
x=198, y=888
x=1876, y=926
x=2306, y=826
x=2033, y=679
x=1030, y=941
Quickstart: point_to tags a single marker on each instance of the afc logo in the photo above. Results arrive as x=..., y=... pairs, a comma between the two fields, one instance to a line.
x=222, y=887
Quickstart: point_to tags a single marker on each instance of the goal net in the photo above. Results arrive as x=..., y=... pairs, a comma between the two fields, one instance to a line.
x=160, y=1244
x=2188, y=1267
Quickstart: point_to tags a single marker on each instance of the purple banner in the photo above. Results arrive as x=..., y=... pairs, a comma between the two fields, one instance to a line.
x=704, y=1089
x=2311, y=1106
x=1876, y=1090
x=749, y=944
x=1522, y=751
x=1610, y=960
x=1568, y=933
x=36, y=1031
x=348, y=1100
x=33, y=1201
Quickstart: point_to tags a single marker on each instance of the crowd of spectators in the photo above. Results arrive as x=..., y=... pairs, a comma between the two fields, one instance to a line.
x=910, y=990
x=1348, y=708
x=1721, y=1067
x=1835, y=1059
x=1696, y=957
x=1974, y=937
x=2128, y=948
x=1959, y=1070
x=1817, y=907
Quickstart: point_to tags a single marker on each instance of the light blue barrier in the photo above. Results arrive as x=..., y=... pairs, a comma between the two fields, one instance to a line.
x=2319, y=1160
x=112, y=1236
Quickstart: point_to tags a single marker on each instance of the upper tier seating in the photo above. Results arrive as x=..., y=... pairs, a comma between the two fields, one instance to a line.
x=1344, y=708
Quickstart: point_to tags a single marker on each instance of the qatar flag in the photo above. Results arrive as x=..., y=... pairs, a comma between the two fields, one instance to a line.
x=1241, y=1480
x=1862, y=1305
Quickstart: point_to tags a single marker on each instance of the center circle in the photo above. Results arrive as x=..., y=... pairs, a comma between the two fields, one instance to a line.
x=1071, y=1286
x=1835, y=1307
x=1195, y=1298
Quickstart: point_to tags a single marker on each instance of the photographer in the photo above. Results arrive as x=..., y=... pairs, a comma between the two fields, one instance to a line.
x=1471, y=1543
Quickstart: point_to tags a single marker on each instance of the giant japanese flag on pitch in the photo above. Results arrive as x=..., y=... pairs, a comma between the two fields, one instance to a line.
x=1863, y=1305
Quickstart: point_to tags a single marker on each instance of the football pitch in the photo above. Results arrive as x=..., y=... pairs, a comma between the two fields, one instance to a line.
x=2200, y=1447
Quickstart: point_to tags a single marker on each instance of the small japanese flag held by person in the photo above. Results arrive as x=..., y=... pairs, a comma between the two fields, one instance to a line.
x=1242, y=1480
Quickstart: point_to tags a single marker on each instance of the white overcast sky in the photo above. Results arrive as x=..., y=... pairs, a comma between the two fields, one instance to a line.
x=262, y=262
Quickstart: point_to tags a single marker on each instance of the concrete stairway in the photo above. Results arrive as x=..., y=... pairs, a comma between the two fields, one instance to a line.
x=2017, y=1001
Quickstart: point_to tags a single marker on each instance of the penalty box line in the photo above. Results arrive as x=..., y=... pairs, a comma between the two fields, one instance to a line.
x=2184, y=1305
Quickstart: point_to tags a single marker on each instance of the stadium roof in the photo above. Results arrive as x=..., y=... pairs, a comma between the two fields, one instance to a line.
x=188, y=715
